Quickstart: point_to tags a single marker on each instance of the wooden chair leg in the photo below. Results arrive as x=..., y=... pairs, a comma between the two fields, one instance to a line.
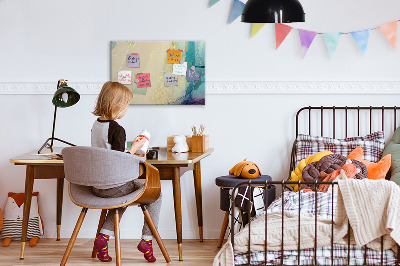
x=101, y=222
x=73, y=237
x=223, y=229
x=154, y=230
x=117, y=238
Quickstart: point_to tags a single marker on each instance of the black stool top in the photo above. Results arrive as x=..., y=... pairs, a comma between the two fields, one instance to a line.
x=230, y=181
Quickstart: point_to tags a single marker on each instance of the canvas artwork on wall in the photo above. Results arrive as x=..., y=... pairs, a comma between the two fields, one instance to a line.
x=161, y=72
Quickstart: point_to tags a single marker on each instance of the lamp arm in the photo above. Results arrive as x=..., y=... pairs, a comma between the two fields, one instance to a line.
x=54, y=126
x=54, y=118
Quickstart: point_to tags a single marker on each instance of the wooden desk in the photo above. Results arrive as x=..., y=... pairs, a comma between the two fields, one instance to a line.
x=40, y=167
x=171, y=167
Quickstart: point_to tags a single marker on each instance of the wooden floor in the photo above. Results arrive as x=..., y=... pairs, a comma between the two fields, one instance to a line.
x=50, y=252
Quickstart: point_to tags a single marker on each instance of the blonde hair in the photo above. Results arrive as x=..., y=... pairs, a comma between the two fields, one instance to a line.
x=112, y=99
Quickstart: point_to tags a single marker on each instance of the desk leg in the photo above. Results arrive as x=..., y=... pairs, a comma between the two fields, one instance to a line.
x=60, y=190
x=199, y=204
x=176, y=182
x=27, y=206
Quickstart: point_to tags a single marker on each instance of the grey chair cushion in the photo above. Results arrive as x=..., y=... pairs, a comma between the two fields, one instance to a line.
x=83, y=196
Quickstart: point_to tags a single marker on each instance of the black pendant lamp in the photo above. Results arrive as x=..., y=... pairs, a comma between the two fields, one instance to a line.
x=273, y=11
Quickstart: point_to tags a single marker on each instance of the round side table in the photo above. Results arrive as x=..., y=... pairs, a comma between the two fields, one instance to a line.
x=228, y=182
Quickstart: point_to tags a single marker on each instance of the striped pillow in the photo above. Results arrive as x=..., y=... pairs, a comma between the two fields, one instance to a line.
x=372, y=145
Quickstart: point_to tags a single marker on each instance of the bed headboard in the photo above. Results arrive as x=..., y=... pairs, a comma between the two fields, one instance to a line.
x=344, y=121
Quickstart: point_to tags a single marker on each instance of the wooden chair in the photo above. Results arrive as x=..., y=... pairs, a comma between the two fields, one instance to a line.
x=85, y=167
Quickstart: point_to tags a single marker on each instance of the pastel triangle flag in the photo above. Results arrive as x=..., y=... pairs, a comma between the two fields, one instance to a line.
x=332, y=41
x=256, y=27
x=213, y=2
x=361, y=37
x=237, y=9
x=306, y=39
x=389, y=30
x=281, y=31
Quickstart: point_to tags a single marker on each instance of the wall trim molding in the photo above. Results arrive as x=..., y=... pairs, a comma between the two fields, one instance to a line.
x=231, y=87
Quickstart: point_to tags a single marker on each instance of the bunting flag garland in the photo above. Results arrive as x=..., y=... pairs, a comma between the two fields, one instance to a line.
x=332, y=41
x=256, y=27
x=237, y=8
x=361, y=37
x=281, y=31
x=306, y=39
x=389, y=30
x=213, y=2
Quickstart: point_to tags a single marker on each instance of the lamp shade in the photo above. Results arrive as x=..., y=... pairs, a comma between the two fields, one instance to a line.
x=65, y=96
x=273, y=11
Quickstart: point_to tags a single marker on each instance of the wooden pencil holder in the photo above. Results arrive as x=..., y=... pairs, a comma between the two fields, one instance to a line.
x=200, y=143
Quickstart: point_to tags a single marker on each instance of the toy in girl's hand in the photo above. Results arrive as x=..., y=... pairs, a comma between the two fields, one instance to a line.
x=180, y=144
x=13, y=215
x=246, y=169
x=144, y=134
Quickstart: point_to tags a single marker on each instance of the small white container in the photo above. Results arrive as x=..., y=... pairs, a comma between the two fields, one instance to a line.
x=144, y=134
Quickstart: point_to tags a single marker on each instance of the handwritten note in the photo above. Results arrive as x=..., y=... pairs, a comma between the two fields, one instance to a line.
x=143, y=80
x=133, y=60
x=192, y=74
x=170, y=80
x=174, y=56
x=125, y=77
x=180, y=69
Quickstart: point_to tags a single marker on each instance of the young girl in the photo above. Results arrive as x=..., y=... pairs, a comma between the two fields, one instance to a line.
x=112, y=103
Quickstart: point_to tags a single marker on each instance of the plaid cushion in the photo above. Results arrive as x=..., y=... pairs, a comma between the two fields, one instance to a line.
x=372, y=145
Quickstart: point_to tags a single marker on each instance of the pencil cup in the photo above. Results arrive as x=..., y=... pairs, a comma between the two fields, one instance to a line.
x=200, y=143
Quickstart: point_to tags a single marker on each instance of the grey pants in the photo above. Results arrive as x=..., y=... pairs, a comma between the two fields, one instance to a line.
x=154, y=208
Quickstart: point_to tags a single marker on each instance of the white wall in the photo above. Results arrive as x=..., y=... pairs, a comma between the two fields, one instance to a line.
x=43, y=41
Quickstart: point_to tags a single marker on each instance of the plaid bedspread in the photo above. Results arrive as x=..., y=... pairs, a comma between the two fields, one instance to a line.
x=307, y=202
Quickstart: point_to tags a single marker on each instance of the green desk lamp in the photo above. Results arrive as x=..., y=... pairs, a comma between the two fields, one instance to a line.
x=65, y=96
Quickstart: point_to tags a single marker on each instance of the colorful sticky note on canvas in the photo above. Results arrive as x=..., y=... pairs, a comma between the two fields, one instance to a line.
x=170, y=80
x=174, y=56
x=125, y=77
x=143, y=80
x=133, y=60
x=192, y=74
x=180, y=69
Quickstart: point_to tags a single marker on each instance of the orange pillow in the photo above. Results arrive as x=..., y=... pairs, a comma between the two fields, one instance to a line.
x=375, y=170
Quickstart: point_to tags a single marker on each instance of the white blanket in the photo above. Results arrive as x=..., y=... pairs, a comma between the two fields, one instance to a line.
x=373, y=209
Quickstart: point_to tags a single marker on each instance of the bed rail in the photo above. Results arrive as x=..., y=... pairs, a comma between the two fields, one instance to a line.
x=339, y=119
x=265, y=185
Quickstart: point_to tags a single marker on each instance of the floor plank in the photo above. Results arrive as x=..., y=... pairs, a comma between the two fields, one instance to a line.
x=49, y=252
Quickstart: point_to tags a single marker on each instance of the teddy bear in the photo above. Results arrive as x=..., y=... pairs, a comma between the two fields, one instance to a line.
x=245, y=169
x=13, y=215
x=180, y=144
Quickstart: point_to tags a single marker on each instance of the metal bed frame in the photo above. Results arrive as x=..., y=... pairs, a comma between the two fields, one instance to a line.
x=283, y=184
